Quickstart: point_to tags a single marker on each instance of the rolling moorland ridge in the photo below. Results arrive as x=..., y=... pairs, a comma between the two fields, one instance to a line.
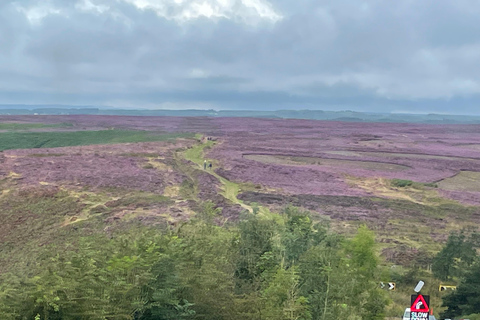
x=92, y=198
x=344, y=116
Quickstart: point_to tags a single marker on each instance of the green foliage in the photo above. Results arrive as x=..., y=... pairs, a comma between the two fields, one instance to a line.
x=374, y=307
x=457, y=255
x=431, y=185
x=475, y=316
x=206, y=266
x=363, y=261
x=362, y=252
x=399, y=183
x=466, y=298
x=258, y=249
x=285, y=267
x=28, y=126
x=300, y=233
x=29, y=140
x=283, y=299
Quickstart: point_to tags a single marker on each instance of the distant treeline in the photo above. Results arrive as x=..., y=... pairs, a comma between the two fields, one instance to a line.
x=349, y=116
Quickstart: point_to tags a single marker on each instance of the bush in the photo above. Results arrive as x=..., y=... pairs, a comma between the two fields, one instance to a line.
x=401, y=183
x=431, y=185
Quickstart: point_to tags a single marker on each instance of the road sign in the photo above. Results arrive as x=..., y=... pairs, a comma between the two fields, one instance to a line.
x=443, y=287
x=419, y=309
x=419, y=286
x=390, y=286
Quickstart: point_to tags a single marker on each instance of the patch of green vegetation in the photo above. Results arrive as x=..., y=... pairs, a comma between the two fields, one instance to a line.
x=200, y=271
x=196, y=154
x=399, y=183
x=431, y=185
x=187, y=189
x=31, y=219
x=46, y=155
x=29, y=140
x=139, y=154
x=230, y=189
x=29, y=126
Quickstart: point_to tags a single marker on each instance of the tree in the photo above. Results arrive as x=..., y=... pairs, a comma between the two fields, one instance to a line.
x=457, y=255
x=300, y=233
x=363, y=268
x=282, y=297
x=206, y=266
x=259, y=249
x=466, y=298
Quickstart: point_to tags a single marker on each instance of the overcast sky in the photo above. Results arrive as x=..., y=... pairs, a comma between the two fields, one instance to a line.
x=418, y=56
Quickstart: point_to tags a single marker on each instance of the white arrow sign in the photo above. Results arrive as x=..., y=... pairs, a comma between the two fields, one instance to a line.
x=391, y=286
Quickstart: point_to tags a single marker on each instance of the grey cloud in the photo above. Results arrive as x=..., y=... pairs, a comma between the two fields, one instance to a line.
x=347, y=54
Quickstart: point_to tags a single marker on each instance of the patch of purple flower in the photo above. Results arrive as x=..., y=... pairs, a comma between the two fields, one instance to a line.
x=443, y=151
x=95, y=166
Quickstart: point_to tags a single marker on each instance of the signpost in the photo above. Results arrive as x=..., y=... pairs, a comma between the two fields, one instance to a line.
x=419, y=304
x=444, y=287
x=419, y=309
x=390, y=286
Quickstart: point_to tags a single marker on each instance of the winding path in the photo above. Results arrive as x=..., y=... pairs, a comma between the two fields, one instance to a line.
x=196, y=155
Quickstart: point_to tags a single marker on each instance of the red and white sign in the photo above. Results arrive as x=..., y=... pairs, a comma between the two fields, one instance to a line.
x=419, y=305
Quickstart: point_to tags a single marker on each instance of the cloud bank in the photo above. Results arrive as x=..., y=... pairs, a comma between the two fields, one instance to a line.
x=401, y=56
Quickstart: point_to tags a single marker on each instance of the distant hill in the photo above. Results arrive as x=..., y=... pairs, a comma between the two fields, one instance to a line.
x=350, y=116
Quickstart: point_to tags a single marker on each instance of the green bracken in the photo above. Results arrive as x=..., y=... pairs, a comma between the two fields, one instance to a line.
x=29, y=140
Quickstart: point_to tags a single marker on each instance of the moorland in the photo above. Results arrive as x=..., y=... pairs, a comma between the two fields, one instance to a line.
x=116, y=217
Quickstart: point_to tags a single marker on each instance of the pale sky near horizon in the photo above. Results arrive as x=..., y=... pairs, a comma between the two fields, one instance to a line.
x=377, y=56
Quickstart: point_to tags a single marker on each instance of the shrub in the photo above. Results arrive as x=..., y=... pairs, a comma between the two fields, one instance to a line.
x=431, y=185
x=401, y=183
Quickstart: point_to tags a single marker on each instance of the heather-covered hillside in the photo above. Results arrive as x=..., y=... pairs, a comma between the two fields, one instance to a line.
x=67, y=180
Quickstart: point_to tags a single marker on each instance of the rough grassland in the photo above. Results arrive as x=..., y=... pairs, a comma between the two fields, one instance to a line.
x=293, y=160
x=30, y=126
x=396, y=155
x=464, y=181
x=28, y=140
x=230, y=189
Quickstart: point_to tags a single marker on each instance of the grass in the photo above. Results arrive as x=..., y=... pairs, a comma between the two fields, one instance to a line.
x=31, y=219
x=42, y=216
x=139, y=154
x=31, y=140
x=230, y=189
x=395, y=155
x=417, y=192
x=295, y=160
x=463, y=181
x=196, y=153
x=46, y=155
x=29, y=126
